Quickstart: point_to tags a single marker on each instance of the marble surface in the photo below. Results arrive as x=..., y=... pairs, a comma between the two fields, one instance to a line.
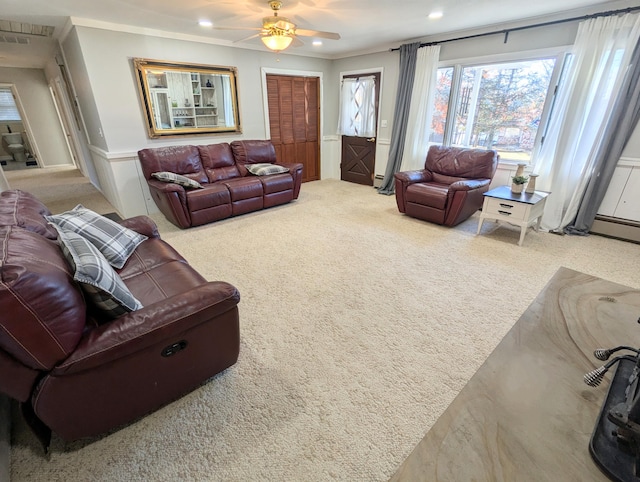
x=526, y=414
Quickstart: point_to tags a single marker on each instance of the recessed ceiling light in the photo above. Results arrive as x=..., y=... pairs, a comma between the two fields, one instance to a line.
x=205, y=23
x=317, y=43
x=435, y=15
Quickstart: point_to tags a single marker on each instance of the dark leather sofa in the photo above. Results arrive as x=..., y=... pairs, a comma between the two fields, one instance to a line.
x=77, y=377
x=228, y=188
x=450, y=188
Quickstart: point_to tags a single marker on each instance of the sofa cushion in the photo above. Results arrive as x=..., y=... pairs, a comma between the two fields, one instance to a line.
x=113, y=240
x=265, y=169
x=428, y=193
x=20, y=208
x=184, y=181
x=244, y=188
x=183, y=160
x=99, y=281
x=218, y=161
x=252, y=152
x=43, y=310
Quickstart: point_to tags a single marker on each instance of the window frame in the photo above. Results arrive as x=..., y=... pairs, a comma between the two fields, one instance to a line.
x=561, y=55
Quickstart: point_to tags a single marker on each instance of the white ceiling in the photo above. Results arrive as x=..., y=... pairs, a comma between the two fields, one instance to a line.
x=364, y=25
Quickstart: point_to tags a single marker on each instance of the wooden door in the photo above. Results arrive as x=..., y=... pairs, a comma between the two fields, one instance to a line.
x=357, y=163
x=358, y=157
x=294, y=121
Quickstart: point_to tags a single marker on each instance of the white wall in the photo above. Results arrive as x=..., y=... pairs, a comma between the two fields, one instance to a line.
x=108, y=96
x=107, y=92
x=35, y=98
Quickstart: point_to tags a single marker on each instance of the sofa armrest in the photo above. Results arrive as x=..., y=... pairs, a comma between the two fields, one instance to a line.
x=295, y=169
x=468, y=185
x=143, y=225
x=171, y=199
x=411, y=177
x=403, y=180
x=154, y=323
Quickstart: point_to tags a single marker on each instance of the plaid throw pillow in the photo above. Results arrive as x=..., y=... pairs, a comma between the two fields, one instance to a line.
x=99, y=281
x=113, y=240
x=264, y=169
x=183, y=181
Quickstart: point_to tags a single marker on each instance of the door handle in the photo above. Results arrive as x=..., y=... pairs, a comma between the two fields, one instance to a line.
x=371, y=139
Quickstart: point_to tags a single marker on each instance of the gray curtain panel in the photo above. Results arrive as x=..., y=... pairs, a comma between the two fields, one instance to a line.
x=408, y=56
x=624, y=119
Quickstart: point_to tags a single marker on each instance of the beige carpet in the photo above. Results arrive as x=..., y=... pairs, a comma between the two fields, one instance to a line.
x=60, y=188
x=359, y=326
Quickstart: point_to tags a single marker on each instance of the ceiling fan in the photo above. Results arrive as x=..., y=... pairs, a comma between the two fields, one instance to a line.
x=278, y=33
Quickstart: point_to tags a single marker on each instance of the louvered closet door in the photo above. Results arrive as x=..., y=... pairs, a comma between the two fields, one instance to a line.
x=294, y=120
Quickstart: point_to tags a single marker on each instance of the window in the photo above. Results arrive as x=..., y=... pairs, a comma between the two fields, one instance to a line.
x=8, y=109
x=497, y=106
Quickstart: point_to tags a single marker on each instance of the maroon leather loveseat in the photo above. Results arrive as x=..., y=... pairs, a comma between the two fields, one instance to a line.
x=78, y=375
x=228, y=188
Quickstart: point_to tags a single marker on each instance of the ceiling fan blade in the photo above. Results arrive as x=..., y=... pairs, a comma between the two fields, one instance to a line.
x=236, y=28
x=297, y=42
x=317, y=33
x=248, y=38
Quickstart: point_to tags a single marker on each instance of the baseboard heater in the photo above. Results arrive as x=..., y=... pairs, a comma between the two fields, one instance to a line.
x=377, y=180
x=616, y=228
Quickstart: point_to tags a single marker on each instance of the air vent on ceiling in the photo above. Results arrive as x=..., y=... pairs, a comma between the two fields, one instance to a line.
x=26, y=28
x=13, y=39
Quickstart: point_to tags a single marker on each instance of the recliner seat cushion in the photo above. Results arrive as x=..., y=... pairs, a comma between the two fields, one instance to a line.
x=244, y=188
x=428, y=193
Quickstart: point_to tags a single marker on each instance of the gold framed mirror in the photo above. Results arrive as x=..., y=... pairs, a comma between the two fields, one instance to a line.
x=187, y=99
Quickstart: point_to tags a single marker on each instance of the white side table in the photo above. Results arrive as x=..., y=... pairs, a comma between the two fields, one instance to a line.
x=523, y=210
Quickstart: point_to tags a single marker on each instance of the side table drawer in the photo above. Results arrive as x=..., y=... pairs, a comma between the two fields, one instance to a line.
x=506, y=209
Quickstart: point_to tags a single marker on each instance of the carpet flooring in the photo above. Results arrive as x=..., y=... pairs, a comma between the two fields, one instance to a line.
x=359, y=326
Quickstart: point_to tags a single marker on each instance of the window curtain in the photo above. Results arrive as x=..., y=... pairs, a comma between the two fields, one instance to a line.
x=421, y=110
x=408, y=55
x=227, y=102
x=584, y=107
x=357, y=115
x=626, y=113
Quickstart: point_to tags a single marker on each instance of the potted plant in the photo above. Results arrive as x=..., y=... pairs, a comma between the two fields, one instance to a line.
x=517, y=183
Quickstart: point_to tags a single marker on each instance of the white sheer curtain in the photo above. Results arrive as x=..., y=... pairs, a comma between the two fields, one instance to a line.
x=421, y=110
x=357, y=116
x=227, y=102
x=601, y=55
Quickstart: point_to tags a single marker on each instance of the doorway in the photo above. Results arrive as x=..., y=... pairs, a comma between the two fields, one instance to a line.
x=294, y=121
x=15, y=147
x=359, y=103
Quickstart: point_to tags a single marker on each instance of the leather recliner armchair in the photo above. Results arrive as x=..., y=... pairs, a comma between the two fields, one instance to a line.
x=450, y=188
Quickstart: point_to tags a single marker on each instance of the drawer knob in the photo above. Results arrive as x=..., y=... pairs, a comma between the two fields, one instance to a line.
x=508, y=206
x=506, y=213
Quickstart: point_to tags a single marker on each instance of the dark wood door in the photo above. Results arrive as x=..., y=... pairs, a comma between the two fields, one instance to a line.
x=358, y=157
x=357, y=163
x=294, y=121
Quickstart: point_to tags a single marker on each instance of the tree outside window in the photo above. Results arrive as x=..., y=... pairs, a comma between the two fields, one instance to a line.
x=497, y=106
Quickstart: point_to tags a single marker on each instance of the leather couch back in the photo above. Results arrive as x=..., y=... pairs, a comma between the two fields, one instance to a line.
x=455, y=163
x=183, y=160
x=218, y=161
x=209, y=163
x=43, y=309
x=253, y=152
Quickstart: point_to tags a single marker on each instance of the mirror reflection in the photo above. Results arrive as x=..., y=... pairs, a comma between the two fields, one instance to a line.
x=188, y=98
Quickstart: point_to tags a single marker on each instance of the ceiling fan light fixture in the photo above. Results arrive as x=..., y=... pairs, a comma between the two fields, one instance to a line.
x=276, y=42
